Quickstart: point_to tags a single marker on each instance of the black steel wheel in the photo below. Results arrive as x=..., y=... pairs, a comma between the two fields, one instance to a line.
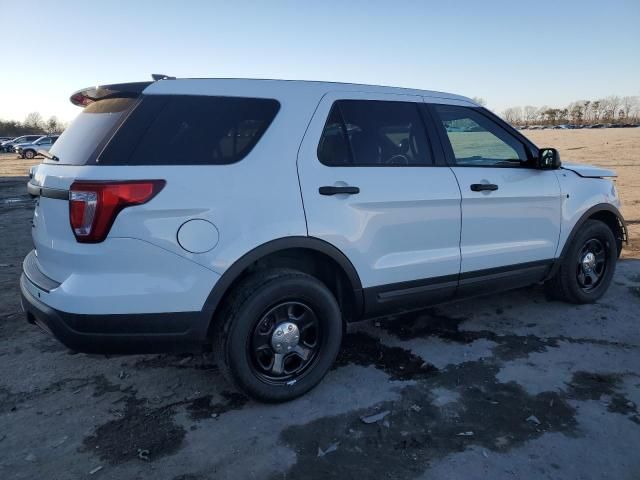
x=278, y=334
x=285, y=342
x=592, y=264
x=588, y=265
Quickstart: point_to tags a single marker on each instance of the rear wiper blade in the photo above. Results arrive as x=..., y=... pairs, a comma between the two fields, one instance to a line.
x=46, y=154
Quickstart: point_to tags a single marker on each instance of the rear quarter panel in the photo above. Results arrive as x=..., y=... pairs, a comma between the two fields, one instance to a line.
x=250, y=202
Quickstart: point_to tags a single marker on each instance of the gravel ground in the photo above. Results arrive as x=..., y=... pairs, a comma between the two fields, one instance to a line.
x=501, y=387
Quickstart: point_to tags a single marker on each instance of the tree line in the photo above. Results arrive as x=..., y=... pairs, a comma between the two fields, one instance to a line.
x=612, y=109
x=33, y=124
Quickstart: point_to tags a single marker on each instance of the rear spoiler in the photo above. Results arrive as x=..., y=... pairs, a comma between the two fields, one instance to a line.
x=84, y=97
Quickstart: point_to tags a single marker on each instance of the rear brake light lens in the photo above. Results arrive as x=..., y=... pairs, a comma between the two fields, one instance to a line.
x=93, y=206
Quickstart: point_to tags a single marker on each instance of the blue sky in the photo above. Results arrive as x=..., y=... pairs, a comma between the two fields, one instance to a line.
x=509, y=52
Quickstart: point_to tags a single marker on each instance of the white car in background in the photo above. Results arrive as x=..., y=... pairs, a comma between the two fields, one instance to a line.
x=30, y=149
x=257, y=218
x=7, y=146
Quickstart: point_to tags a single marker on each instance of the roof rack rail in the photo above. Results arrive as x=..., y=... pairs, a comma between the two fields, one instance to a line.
x=161, y=76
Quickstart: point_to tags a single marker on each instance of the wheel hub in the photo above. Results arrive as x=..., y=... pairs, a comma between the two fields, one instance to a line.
x=285, y=337
x=588, y=261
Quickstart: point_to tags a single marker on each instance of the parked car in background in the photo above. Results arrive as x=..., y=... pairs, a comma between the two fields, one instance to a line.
x=30, y=150
x=8, y=146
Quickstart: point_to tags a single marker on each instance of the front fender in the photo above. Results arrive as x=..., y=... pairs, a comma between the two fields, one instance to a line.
x=581, y=199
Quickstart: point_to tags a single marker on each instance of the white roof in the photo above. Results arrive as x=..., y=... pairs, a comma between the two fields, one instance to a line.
x=280, y=88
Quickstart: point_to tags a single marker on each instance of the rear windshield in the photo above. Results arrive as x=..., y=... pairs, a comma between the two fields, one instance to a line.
x=190, y=130
x=86, y=136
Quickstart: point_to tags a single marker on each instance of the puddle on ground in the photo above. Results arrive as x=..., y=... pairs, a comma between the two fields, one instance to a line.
x=400, y=364
x=141, y=433
x=487, y=413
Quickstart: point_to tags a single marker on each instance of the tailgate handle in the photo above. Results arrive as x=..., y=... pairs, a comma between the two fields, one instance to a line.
x=337, y=190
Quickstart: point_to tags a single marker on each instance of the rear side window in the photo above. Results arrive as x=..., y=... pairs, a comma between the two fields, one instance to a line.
x=374, y=133
x=190, y=130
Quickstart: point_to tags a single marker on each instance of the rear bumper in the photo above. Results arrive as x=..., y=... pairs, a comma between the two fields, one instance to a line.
x=117, y=333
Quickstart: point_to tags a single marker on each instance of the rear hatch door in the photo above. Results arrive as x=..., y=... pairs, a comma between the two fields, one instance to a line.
x=72, y=156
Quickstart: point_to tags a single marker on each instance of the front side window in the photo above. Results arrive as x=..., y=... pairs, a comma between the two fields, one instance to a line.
x=374, y=133
x=477, y=141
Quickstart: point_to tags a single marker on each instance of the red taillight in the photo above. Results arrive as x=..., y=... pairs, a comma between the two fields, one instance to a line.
x=93, y=206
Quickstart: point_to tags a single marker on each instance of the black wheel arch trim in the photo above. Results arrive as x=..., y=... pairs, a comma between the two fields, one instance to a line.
x=234, y=272
x=600, y=207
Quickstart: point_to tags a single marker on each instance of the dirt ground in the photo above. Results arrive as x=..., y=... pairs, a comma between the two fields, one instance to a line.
x=509, y=386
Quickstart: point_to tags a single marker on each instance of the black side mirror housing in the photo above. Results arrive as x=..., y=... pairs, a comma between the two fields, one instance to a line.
x=549, y=159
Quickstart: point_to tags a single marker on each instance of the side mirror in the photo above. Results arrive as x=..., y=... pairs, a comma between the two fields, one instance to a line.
x=549, y=159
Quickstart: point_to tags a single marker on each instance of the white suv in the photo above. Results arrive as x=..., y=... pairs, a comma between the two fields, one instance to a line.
x=259, y=217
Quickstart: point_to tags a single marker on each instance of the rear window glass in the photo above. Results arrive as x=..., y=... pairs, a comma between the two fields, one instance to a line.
x=87, y=134
x=190, y=130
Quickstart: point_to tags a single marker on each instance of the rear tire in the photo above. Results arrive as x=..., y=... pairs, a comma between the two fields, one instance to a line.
x=587, y=268
x=278, y=334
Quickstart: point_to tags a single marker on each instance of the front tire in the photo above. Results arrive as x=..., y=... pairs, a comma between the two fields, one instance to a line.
x=588, y=266
x=278, y=334
x=29, y=154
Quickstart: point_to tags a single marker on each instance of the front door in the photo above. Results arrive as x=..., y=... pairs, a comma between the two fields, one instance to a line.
x=510, y=209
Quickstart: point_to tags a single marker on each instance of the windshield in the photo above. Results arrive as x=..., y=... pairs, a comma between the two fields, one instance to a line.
x=85, y=137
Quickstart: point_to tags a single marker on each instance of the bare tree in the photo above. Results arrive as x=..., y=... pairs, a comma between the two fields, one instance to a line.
x=53, y=125
x=629, y=105
x=587, y=110
x=33, y=121
x=540, y=113
x=576, y=111
x=612, y=104
x=513, y=115
x=480, y=101
x=563, y=115
x=530, y=114
x=596, y=108
x=612, y=108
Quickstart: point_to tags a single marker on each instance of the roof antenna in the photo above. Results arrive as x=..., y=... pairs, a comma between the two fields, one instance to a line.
x=161, y=76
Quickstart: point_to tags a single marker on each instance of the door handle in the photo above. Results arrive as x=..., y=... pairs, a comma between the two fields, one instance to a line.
x=336, y=190
x=481, y=187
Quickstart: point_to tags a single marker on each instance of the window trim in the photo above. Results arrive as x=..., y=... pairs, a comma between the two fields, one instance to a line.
x=432, y=140
x=530, y=149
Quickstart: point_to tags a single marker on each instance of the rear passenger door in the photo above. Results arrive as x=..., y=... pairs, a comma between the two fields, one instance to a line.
x=376, y=187
x=510, y=208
